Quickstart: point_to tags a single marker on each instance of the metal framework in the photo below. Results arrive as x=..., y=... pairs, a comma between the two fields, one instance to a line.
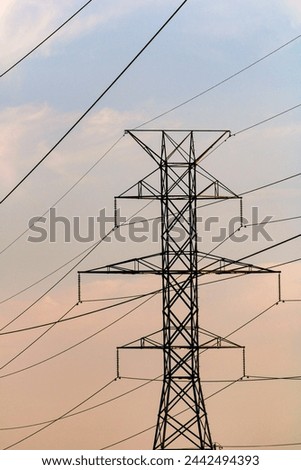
x=182, y=421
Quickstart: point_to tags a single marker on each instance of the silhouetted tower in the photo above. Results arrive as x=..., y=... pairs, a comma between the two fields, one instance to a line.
x=182, y=421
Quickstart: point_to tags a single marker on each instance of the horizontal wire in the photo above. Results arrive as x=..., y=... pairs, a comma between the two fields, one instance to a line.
x=247, y=378
x=270, y=184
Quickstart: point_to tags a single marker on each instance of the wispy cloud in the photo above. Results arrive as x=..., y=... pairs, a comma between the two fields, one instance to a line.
x=24, y=24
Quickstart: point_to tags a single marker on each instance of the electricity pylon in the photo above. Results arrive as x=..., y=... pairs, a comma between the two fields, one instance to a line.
x=182, y=421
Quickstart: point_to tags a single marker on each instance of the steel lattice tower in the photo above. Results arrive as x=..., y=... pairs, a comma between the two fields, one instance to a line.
x=181, y=379
x=182, y=421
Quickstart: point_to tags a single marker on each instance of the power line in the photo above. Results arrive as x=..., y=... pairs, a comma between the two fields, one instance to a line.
x=60, y=417
x=266, y=120
x=94, y=103
x=110, y=400
x=35, y=340
x=270, y=184
x=85, y=253
x=152, y=427
x=276, y=221
x=75, y=317
x=286, y=262
x=128, y=223
x=264, y=446
x=80, y=342
x=248, y=378
x=66, y=193
x=229, y=262
x=252, y=190
x=220, y=83
x=97, y=310
x=128, y=313
x=147, y=381
x=46, y=39
x=251, y=320
x=88, y=313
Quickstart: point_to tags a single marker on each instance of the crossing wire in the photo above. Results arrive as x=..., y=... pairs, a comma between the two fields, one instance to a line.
x=247, y=378
x=261, y=122
x=60, y=417
x=131, y=223
x=85, y=254
x=152, y=294
x=131, y=297
x=42, y=325
x=93, y=104
x=172, y=109
x=65, y=194
x=65, y=415
x=177, y=414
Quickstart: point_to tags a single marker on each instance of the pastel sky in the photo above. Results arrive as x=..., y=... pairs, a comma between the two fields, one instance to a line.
x=40, y=99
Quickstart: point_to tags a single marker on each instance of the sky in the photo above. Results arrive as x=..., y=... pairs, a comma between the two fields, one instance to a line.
x=40, y=100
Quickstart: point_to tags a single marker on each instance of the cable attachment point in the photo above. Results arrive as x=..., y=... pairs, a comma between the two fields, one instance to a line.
x=115, y=214
x=117, y=364
x=279, y=287
x=244, y=361
x=241, y=213
x=79, y=289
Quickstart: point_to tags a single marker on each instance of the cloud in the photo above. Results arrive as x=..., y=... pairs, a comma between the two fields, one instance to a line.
x=292, y=9
x=23, y=139
x=25, y=24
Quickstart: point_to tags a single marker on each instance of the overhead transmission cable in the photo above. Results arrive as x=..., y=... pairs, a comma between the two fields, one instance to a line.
x=135, y=308
x=65, y=193
x=128, y=223
x=157, y=117
x=87, y=338
x=110, y=400
x=266, y=120
x=263, y=446
x=250, y=378
x=94, y=103
x=133, y=297
x=212, y=87
x=96, y=163
x=177, y=414
x=65, y=415
x=60, y=417
x=46, y=39
x=86, y=253
x=128, y=300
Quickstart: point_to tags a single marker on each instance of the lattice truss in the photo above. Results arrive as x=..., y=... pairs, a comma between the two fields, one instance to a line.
x=178, y=183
